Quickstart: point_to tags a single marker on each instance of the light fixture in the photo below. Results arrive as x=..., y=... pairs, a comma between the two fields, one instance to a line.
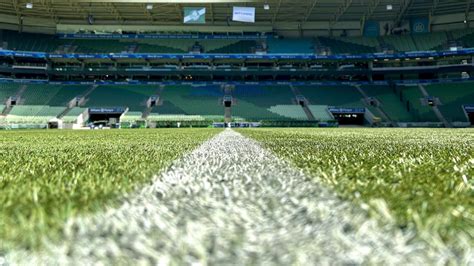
x=29, y=5
x=266, y=6
x=389, y=7
x=149, y=7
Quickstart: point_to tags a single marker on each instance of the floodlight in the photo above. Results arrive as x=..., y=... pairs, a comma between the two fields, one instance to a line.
x=266, y=6
x=29, y=5
x=389, y=7
x=149, y=7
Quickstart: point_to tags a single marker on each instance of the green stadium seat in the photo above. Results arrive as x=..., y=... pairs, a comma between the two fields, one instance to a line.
x=295, y=112
x=253, y=103
x=133, y=97
x=422, y=113
x=338, y=96
x=453, y=96
x=389, y=102
x=321, y=113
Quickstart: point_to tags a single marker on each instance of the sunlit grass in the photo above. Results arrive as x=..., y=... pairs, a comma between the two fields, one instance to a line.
x=49, y=176
x=419, y=178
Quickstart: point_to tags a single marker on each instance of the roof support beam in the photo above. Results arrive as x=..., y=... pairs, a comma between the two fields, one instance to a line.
x=341, y=11
x=114, y=11
x=405, y=4
x=275, y=15
x=468, y=7
x=310, y=11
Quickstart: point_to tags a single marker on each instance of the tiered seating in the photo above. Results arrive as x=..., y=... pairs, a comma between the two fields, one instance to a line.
x=467, y=40
x=29, y=41
x=239, y=47
x=430, y=41
x=390, y=103
x=453, y=96
x=254, y=102
x=188, y=100
x=343, y=46
x=131, y=117
x=290, y=46
x=338, y=96
x=72, y=115
x=133, y=97
x=320, y=112
x=7, y=90
x=359, y=40
x=53, y=95
x=402, y=43
x=34, y=114
x=295, y=112
x=412, y=94
x=97, y=46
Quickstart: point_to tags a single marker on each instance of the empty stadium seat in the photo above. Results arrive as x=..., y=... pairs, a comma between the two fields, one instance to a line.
x=453, y=96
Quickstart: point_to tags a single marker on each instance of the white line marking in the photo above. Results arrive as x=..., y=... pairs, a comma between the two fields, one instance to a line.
x=232, y=202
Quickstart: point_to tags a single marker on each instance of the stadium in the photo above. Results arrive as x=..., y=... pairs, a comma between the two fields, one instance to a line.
x=236, y=132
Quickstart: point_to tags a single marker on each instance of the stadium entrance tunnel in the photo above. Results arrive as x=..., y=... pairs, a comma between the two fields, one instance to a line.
x=471, y=118
x=349, y=116
x=469, y=109
x=105, y=116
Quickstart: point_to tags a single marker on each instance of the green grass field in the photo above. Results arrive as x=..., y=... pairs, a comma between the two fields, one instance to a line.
x=418, y=178
x=48, y=176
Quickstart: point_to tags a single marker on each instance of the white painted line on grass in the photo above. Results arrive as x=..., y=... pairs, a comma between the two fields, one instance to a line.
x=232, y=202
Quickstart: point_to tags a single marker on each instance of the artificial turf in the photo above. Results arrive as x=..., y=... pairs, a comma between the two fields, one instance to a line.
x=420, y=179
x=47, y=177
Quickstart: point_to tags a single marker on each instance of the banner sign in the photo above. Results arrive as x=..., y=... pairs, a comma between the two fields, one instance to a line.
x=243, y=14
x=469, y=108
x=200, y=36
x=115, y=110
x=239, y=83
x=371, y=28
x=336, y=110
x=419, y=25
x=194, y=15
x=379, y=56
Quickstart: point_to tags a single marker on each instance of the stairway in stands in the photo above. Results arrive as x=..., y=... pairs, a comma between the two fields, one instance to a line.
x=18, y=95
x=148, y=110
x=81, y=101
x=306, y=110
x=377, y=107
x=434, y=108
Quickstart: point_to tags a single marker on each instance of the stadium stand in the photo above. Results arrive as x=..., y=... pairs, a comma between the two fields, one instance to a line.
x=52, y=95
x=412, y=97
x=337, y=45
x=390, y=102
x=338, y=96
x=430, y=41
x=290, y=111
x=290, y=46
x=72, y=115
x=180, y=101
x=254, y=102
x=132, y=97
x=453, y=96
x=7, y=90
x=345, y=46
x=131, y=117
x=321, y=113
x=34, y=114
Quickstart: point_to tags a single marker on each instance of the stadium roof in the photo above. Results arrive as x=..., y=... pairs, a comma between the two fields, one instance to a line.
x=169, y=12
